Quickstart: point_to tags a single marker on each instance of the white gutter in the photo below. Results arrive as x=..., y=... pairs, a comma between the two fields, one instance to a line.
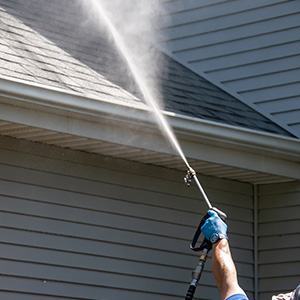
x=73, y=113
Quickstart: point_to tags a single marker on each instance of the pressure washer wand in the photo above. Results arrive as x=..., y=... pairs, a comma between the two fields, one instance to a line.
x=188, y=178
x=206, y=245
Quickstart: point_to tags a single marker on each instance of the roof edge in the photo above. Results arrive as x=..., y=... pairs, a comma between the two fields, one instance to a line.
x=200, y=139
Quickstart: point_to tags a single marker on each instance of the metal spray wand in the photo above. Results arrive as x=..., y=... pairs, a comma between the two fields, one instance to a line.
x=206, y=245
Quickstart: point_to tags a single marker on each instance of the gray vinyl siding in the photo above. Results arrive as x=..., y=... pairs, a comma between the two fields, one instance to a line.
x=80, y=226
x=279, y=238
x=252, y=47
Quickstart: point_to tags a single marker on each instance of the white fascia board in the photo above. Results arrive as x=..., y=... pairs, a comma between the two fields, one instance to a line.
x=73, y=113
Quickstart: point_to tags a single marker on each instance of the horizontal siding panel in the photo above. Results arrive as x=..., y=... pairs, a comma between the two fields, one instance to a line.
x=289, y=117
x=281, y=105
x=282, y=214
x=277, y=228
x=279, y=269
x=97, y=219
x=91, y=278
x=280, y=242
x=113, y=197
x=86, y=231
x=112, y=192
x=283, y=189
x=72, y=291
x=279, y=285
x=224, y=8
x=105, y=182
x=291, y=199
x=264, y=81
x=116, y=208
x=248, y=37
x=257, y=69
x=108, y=234
x=59, y=227
x=265, y=94
x=248, y=23
x=296, y=127
x=247, y=57
x=141, y=258
x=287, y=254
x=95, y=248
x=133, y=225
x=104, y=204
x=21, y=296
x=174, y=6
x=103, y=265
x=99, y=279
x=92, y=262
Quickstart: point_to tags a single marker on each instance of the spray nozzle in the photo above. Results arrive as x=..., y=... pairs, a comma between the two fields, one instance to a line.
x=188, y=177
x=188, y=180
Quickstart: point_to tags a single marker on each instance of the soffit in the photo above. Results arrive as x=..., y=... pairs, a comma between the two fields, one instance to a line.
x=135, y=154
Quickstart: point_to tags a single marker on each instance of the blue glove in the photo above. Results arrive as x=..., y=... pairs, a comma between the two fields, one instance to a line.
x=214, y=227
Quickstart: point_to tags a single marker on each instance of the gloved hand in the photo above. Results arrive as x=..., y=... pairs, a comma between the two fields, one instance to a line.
x=214, y=228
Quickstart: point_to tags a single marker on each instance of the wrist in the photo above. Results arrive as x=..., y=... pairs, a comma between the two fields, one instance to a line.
x=216, y=237
x=222, y=243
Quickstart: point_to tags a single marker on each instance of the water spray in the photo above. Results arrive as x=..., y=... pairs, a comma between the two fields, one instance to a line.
x=148, y=97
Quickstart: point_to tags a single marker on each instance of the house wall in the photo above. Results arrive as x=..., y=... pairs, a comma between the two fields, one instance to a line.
x=279, y=238
x=252, y=47
x=80, y=226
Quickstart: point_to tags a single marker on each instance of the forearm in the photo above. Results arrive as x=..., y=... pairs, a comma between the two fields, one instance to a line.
x=224, y=270
x=215, y=230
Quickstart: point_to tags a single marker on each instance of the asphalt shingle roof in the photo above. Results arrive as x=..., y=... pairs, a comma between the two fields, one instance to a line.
x=42, y=41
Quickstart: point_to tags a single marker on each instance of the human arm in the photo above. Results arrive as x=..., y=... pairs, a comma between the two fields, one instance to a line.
x=223, y=267
x=224, y=270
